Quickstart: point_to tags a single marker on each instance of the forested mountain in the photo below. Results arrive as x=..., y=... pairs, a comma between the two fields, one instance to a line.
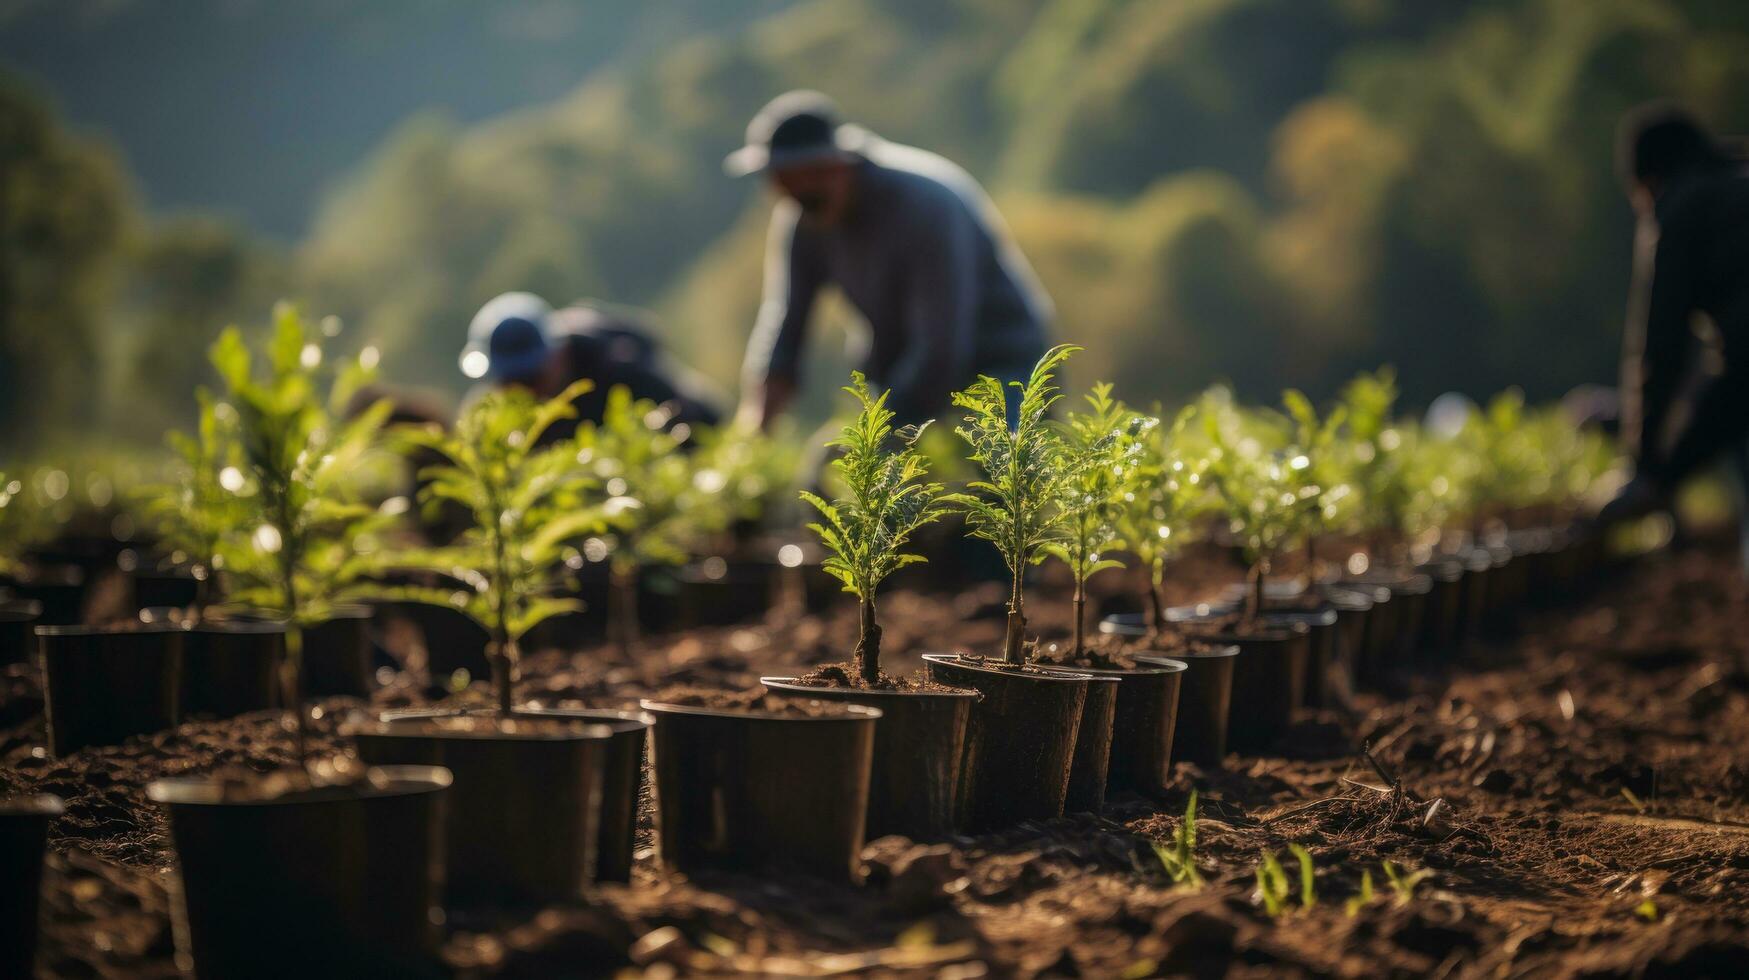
x=1271, y=191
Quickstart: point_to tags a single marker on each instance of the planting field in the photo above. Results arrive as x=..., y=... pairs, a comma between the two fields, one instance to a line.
x=1568, y=799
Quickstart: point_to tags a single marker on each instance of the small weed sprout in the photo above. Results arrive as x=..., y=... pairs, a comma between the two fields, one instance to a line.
x=308, y=542
x=526, y=501
x=1017, y=505
x=888, y=497
x=1276, y=890
x=1179, y=860
x=1404, y=883
x=1101, y=453
x=1361, y=899
x=658, y=501
x=1166, y=494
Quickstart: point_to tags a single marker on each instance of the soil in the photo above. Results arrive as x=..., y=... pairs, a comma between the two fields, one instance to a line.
x=1578, y=796
x=750, y=701
x=845, y=675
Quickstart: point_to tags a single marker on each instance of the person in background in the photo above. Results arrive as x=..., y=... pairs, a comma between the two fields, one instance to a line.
x=1691, y=259
x=517, y=339
x=913, y=243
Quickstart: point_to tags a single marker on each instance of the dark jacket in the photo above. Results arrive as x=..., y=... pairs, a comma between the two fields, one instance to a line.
x=1693, y=259
x=923, y=256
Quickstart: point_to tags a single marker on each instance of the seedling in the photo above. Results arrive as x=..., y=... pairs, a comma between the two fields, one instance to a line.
x=1405, y=883
x=1017, y=506
x=1101, y=450
x=1323, y=487
x=21, y=527
x=1165, y=496
x=526, y=500
x=308, y=543
x=1260, y=490
x=887, y=498
x=1274, y=888
x=1179, y=860
x=1361, y=899
x=658, y=502
x=199, y=506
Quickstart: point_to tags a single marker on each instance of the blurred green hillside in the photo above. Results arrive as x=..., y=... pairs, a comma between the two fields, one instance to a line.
x=1269, y=191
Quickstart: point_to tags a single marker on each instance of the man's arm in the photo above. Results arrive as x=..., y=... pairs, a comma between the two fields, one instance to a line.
x=1660, y=338
x=940, y=317
x=794, y=274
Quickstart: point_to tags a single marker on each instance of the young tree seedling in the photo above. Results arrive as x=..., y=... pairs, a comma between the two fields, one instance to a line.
x=1017, y=506
x=527, y=503
x=194, y=511
x=888, y=497
x=1101, y=450
x=22, y=526
x=1164, y=497
x=1324, y=488
x=1259, y=489
x=308, y=543
x=658, y=501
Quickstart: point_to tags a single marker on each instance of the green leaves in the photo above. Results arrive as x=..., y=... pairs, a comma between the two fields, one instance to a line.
x=300, y=538
x=660, y=500
x=1255, y=470
x=1026, y=468
x=888, y=496
x=528, y=503
x=1101, y=453
x=201, y=500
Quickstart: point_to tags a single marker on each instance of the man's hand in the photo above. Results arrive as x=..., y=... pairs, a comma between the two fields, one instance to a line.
x=761, y=408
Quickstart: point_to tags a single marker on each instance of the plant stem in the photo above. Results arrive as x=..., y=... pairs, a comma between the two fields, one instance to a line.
x=622, y=610
x=504, y=657
x=1157, y=594
x=1013, y=644
x=292, y=687
x=868, y=645
x=1254, y=595
x=1080, y=616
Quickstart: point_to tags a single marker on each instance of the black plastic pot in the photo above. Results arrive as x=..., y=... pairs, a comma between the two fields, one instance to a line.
x=1321, y=649
x=718, y=592
x=919, y=743
x=1205, y=693
x=1091, y=764
x=622, y=778
x=1443, y=615
x=101, y=686
x=1142, y=727
x=24, y=828
x=1397, y=632
x=751, y=791
x=1204, y=701
x=18, y=621
x=333, y=881
x=59, y=588
x=230, y=667
x=1268, y=675
x=1353, y=608
x=521, y=823
x=453, y=641
x=337, y=655
x=1020, y=740
x=1477, y=587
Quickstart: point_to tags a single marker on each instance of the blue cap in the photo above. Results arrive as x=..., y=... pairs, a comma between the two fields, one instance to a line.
x=795, y=128
x=507, y=341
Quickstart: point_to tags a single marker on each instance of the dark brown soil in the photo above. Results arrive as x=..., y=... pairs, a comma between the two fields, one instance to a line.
x=845, y=675
x=1578, y=795
x=750, y=701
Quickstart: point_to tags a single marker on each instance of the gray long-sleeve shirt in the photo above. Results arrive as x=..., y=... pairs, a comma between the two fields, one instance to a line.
x=925, y=259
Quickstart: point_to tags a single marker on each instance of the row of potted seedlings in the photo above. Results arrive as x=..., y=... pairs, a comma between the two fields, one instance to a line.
x=513, y=805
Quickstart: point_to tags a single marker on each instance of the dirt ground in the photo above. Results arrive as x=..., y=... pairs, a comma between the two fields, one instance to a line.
x=1577, y=795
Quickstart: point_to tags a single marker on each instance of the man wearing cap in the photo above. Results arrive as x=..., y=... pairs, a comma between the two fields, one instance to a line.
x=909, y=238
x=517, y=339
